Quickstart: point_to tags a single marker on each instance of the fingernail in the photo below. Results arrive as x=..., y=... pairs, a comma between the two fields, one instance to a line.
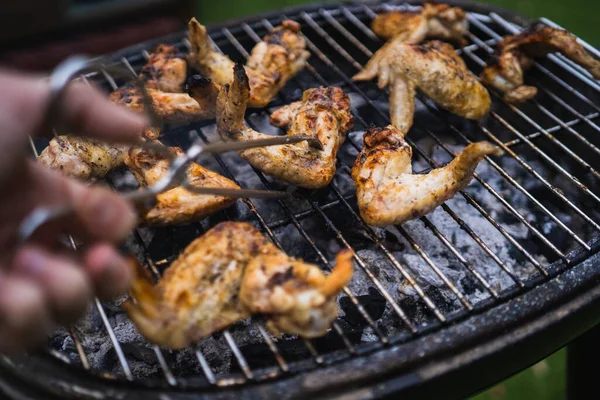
x=33, y=262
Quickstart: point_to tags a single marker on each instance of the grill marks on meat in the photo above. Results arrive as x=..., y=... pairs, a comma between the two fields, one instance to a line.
x=166, y=69
x=435, y=21
x=177, y=205
x=515, y=54
x=433, y=67
x=388, y=192
x=228, y=274
x=277, y=58
x=323, y=113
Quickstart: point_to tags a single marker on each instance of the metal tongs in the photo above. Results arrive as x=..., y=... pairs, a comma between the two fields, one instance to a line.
x=60, y=78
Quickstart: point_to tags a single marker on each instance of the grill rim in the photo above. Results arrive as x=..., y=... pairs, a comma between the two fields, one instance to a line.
x=569, y=299
x=533, y=293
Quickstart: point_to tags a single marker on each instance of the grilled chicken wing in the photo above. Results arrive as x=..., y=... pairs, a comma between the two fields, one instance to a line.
x=323, y=113
x=82, y=158
x=166, y=69
x=435, y=21
x=389, y=193
x=165, y=73
x=433, y=67
x=515, y=53
x=272, y=62
x=178, y=205
x=228, y=274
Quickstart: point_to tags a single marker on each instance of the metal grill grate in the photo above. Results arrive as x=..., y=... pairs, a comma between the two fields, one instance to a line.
x=550, y=167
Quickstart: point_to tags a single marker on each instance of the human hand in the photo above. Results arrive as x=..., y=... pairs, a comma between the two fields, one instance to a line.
x=42, y=283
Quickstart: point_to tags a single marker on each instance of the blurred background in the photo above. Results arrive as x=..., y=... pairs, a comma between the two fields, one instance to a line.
x=37, y=34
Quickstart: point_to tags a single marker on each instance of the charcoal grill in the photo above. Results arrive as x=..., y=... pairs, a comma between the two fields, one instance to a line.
x=491, y=282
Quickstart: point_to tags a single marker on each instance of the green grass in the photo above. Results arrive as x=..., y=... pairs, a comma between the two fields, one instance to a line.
x=579, y=16
x=545, y=380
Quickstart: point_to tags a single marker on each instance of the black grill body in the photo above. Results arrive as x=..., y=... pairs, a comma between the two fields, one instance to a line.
x=494, y=280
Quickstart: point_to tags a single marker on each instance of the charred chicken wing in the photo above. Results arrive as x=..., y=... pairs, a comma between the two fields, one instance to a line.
x=272, y=62
x=228, y=274
x=433, y=67
x=435, y=21
x=389, y=193
x=177, y=205
x=323, y=113
x=514, y=54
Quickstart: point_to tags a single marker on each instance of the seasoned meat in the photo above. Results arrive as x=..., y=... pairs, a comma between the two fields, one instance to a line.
x=166, y=69
x=323, y=113
x=177, y=205
x=82, y=158
x=272, y=62
x=515, y=54
x=228, y=274
x=388, y=192
x=433, y=67
x=435, y=21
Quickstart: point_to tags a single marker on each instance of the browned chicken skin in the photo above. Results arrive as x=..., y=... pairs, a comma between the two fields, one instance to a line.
x=228, y=274
x=166, y=69
x=435, y=21
x=165, y=76
x=272, y=62
x=433, y=67
x=388, y=192
x=177, y=205
x=323, y=113
x=515, y=53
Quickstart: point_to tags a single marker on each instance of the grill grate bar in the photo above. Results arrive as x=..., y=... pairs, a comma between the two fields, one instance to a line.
x=424, y=155
x=238, y=355
x=283, y=365
x=79, y=347
x=556, y=128
x=164, y=366
x=208, y=373
x=261, y=176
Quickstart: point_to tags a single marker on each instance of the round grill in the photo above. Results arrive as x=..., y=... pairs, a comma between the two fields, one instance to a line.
x=467, y=291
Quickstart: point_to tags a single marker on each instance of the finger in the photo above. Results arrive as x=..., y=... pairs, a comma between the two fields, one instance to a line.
x=87, y=111
x=84, y=110
x=99, y=213
x=108, y=271
x=67, y=290
x=24, y=316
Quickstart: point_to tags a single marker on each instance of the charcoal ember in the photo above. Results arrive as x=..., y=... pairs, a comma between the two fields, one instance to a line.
x=373, y=303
